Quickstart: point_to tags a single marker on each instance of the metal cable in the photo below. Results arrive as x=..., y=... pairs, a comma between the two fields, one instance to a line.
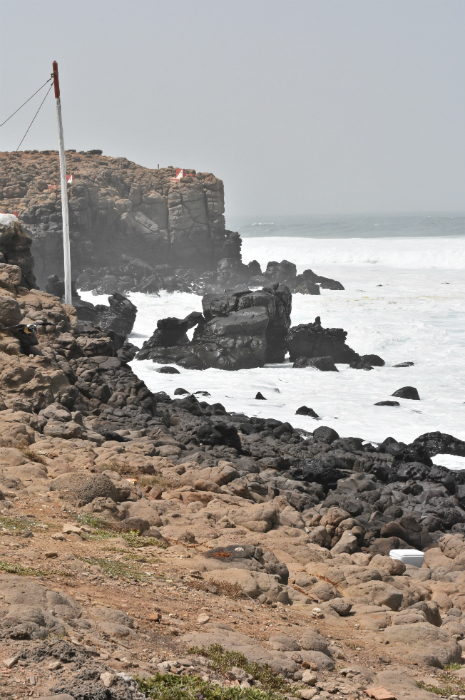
x=35, y=115
x=25, y=103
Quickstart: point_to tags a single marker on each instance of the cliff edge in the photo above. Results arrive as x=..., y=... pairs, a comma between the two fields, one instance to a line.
x=116, y=208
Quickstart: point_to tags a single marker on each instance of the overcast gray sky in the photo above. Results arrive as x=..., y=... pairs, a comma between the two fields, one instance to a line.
x=300, y=106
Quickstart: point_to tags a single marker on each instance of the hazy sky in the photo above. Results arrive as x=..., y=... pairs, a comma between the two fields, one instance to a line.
x=300, y=106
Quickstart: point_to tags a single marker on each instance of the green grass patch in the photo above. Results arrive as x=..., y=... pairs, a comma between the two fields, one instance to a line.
x=171, y=687
x=19, y=570
x=116, y=569
x=105, y=530
x=451, y=685
x=19, y=525
x=135, y=540
x=222, y=661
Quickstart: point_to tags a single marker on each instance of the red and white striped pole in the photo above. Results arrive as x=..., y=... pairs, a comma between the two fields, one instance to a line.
x=64, y=193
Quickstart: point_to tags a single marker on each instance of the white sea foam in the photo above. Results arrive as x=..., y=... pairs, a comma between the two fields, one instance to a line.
x=411, y=253
x=418, y=314
x=449, y=461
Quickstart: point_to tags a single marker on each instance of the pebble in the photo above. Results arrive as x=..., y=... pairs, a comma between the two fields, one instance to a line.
x=309, y=678
x=107, y=679
x=70, y=529
x=203, y=618
x=10, y=662
x=308, y=693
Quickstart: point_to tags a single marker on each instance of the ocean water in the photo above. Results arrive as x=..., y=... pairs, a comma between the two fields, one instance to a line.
x=404, y=299
x=350, y=226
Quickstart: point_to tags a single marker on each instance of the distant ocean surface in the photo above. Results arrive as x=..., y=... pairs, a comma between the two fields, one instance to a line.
x=404, y=299
x=350, y=226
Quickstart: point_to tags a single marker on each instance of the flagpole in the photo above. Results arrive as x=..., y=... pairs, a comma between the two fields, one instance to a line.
x=64, y=193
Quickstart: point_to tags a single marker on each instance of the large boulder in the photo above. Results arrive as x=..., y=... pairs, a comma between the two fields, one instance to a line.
x=312, y=340
x=10, y=311
x=424, y=643
x=308, y=277
x=172, y=331
x=117, y=318
x=245, y=556
x=238, y=330
x=83, y=488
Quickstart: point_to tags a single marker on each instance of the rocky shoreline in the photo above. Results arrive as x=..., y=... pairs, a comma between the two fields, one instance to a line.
x=139, y=526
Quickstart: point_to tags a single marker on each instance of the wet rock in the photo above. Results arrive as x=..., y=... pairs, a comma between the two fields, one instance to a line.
x=171, y=331
x=308, y=277
x=373, y=360
x=305, y=411
x=260, y=396
x=168, y=370
x=312, y=340
x=239, y=330
x=324, y=364
x=407, y=392
x=387, y=403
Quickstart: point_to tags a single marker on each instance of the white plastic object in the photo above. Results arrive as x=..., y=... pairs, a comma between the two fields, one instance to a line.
x=6, y=219
x=413, y=557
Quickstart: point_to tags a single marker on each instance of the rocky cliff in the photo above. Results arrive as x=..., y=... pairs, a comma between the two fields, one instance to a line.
x=117, y=208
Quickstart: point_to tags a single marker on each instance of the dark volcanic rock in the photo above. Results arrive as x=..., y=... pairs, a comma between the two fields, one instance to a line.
x=373, y=360
x=305, y=411
x=324, y=364
x=118, y=317
x=361, y=365
x=238, y=330
x=284, y=272
x=325, y=434
x=407, y=392
x=312, y=340
x=260, y=396
x=441, y=443
x=309, y=277
x=219, y=434
x=324, y=472
x=387, y=403
x=171, y=331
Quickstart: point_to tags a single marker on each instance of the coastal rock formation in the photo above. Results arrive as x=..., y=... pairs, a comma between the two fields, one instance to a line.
x=134, y=228
x=311, y=340
x=117, y=318
x=116, y=208
x=237, y=330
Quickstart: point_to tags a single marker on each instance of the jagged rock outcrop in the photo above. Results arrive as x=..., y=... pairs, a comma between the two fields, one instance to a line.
x=116, y=207
x=312, y=340
x=238, y=330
